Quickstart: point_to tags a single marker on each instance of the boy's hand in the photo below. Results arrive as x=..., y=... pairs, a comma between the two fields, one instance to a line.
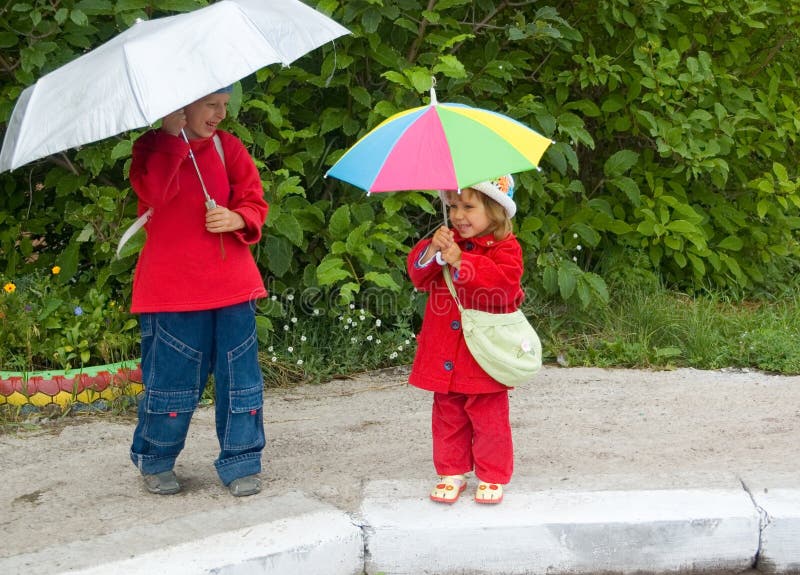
x=173, y=123
x=221, y=219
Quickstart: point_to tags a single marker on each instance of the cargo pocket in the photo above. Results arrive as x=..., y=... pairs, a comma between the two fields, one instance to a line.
x=168, y=416
x=245, y=429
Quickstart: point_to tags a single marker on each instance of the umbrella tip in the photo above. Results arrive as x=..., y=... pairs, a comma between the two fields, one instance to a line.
x=433, y=91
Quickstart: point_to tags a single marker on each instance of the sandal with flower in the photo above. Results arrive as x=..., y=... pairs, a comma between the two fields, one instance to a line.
x=489, y=493
x=448, y=488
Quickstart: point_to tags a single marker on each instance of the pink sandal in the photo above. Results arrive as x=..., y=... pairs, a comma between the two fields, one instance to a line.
x=448, y=488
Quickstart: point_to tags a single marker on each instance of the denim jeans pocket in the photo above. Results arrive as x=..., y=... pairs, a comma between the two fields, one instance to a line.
x=245, y=429
x=168, y=414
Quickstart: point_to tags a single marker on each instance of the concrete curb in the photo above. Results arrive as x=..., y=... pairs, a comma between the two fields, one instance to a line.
x=780, y=533
x=272, y=535
x=561, y=532
x=400, y=531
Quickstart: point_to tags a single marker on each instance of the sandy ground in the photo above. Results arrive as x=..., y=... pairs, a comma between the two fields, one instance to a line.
x=578, y=428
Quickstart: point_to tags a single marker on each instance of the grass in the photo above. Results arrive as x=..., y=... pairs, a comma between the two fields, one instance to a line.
x=650, y=327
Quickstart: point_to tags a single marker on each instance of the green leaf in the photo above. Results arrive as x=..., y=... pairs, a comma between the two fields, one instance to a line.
x=567, y=280
x=288, y=226
x=331, y=270
x=339, y=225
x=619, y=163
x=732, y=243
x=384, y=280
x=279, y=253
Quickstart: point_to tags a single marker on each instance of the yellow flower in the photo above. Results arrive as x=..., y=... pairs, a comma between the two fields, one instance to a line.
x=10, y=287
x=56, y=270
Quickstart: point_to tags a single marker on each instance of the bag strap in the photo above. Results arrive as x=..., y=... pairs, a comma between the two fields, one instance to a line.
x=449, y=281
x=145, y=217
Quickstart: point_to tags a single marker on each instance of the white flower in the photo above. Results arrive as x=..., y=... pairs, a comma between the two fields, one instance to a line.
x=377, y=323
x=290, y=297
x=290, y=349
x=349, y=320
x=274, y=359
x=294, y=320
x=299, y=362
x=286, y=328
x=269, y=349
x=362, y=318
x=316, y=311
x=347, y=326
x=378, y=342
x=393, y=355
x=579, y=247
x=575, y=259
x=575, y=236
x=353, y=340
x=352, y=306
x=274, y=298
x=303, y=338
x=407, y=342
x=399, y=348
x=369, y=338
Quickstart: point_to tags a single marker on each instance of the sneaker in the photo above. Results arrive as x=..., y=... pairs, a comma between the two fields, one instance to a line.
x=164, y=483
x=244, y=486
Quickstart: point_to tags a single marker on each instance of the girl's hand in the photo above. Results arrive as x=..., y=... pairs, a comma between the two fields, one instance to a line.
x=173, y=123
x=452, y=255
x=221, y=219
x=441, y=240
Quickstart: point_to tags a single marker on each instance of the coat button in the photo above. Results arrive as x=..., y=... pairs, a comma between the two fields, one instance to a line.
x=455, y=324
x=469, y=246
x=448, y=366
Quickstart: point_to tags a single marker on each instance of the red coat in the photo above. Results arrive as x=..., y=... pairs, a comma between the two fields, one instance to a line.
x=181, y=267
x=489, y=279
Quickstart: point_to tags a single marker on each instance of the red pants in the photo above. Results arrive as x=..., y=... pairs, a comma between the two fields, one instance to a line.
x=473, y=431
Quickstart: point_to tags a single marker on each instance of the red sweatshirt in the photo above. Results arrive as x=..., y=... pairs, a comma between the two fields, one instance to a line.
x=181, y=266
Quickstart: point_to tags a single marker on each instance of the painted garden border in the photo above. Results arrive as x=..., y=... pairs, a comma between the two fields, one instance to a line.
x=78, y=386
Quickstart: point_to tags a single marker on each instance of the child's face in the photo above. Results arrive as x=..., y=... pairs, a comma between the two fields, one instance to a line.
x=203, y=115
x=467, y=213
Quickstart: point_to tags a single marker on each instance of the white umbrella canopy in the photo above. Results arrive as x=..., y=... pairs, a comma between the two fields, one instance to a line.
x=156, y=67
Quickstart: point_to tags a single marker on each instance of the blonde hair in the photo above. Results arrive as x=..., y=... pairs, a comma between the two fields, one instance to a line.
x=499, y=222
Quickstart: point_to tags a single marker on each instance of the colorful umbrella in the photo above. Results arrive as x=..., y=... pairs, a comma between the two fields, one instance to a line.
x=439, y=147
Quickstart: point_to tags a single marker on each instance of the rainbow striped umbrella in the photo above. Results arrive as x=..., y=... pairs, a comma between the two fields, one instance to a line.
x=440, y=146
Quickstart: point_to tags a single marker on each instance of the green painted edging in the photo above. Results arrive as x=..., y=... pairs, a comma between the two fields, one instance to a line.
x=90, y=371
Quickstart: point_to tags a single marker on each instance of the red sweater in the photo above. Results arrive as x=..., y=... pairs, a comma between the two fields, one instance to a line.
x=181, y=267
x=489, y=280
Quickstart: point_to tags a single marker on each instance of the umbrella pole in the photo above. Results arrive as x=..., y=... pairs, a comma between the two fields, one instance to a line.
x=210, y=203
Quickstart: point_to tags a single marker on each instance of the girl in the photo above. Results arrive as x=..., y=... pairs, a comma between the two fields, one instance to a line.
x=470, y=422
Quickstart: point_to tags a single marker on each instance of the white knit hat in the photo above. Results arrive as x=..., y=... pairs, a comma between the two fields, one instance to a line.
x=501, y=190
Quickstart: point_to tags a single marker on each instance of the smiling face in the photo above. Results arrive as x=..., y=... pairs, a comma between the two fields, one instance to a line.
x=203, y=115
x=468, y=214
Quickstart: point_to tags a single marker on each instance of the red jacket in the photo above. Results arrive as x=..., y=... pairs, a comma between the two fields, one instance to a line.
x=489, y=279
x=181, y=267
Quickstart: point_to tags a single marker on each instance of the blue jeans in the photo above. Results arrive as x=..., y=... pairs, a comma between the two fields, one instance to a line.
x=179, y=351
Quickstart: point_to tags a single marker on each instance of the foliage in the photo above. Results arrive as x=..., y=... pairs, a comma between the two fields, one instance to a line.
x=648, y=326
x=46, y=323
x=675, y=125
x=312, y=341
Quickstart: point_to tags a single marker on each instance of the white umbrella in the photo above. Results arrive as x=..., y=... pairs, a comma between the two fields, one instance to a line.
x=156, y=67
